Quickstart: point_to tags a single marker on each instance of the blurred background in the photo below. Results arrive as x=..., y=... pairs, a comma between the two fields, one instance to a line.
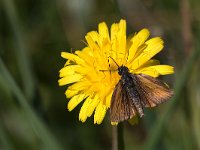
x=33, y=108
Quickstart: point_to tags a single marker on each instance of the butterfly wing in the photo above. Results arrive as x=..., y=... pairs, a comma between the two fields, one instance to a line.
x=152, y=91
x=122, y=108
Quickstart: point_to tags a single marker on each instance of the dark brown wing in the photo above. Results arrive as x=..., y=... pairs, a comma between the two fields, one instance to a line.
x=121, y=107
x=152, y=91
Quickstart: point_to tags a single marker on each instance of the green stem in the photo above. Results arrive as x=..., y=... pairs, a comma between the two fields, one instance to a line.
x=114, y=138
x=118, y=137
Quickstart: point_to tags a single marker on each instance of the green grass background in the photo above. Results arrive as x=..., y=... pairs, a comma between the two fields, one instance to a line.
x=33, y=108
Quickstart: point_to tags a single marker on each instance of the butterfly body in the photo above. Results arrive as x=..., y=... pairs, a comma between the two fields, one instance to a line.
x=129, y=83
x=133, y=92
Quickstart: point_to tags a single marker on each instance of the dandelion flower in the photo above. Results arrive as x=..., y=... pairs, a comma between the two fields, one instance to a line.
x=83, y=71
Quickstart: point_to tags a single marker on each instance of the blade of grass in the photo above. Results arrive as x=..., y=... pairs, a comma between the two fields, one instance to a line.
x=158, y=128
x=37, y=125
x=194, y=104
x=20, y=50
x=4, y=141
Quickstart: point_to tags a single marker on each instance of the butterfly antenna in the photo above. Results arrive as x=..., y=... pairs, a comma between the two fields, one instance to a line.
x=114, y=61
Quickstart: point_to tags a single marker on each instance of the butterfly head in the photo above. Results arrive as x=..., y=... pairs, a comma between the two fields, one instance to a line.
x=122, y=70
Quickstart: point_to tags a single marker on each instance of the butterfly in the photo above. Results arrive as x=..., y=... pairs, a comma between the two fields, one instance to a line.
x=133, y=92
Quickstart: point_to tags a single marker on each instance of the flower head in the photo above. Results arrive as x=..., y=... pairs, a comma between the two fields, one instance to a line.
x=92, y=76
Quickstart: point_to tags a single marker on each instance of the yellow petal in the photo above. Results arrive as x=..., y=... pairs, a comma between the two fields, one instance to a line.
x=118, y=40
x=92, y=44
x=68, y=70
x=69, y=79
x=137, y=40
x=156, y=70
x=70, y=93
x=122, y=41
x=151, y=62
x=94, y=35
x=81, y=85
x=103, y=30
x=92, y=105
x=114, y=30
x=139, y=50
x=122, y=36
x=154, y=46
x=142, y=35
x=72, y=57
x=68, y=62
x=114, y=123
x=83, y=112
x=100, y=113
x=108, y=99
x=74, y=101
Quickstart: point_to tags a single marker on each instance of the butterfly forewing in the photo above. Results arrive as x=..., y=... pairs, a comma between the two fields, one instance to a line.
x=152, y=90
x=122, y=108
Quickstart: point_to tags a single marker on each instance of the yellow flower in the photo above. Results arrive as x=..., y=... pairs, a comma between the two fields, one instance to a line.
x=84, y=74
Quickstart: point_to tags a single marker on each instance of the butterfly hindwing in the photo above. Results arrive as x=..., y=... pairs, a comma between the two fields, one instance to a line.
x=122, y=108
x=152, y=90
